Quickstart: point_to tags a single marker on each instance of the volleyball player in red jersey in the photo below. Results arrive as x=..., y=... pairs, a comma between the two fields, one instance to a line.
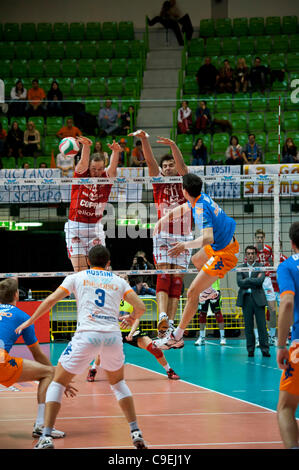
x=84, y=229
x=168, y=196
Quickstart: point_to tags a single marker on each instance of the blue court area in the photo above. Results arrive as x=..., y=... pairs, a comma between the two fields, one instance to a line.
x=223, y=369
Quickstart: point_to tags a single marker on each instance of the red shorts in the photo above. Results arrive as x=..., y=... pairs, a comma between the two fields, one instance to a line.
x=222, y=261
x=10, y=368
x=289, y=381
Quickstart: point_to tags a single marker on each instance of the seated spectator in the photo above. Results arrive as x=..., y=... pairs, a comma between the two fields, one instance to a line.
x=98, y=150
x=140, y=262
x=54, y=98
x=258, y=75
x=206, y=77
x=200, y=153
x=203, y=117
x=184, y=119
x=3, y=136
x=26, y=166
x=138, y=159
x=141, y=288
x=225, y=79
x=127, y=120
x=15, y=141
x=252, y=153
x=125, y=153
x=43, y=165
x=69, y=130
x=290, y=153
x=36, y=96
x=108, y=119
x=66, y=164
x=31, y=140
x=234, y=152
x=241, y=76
x=18, y=94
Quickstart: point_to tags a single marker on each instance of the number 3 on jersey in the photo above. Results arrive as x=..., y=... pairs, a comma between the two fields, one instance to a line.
x=100, y=302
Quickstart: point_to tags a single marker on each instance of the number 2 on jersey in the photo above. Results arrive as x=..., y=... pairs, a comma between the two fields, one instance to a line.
x=100, y=301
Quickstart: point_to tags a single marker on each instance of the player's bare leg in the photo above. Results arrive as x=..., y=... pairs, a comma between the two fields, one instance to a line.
x=79, y=262
x=286, y=408
x=144, y=342
x=271, y=324
x=33, y=370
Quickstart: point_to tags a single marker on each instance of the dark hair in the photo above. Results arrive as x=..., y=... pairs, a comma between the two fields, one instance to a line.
x=98, y=256
x=19, y=81
x=8, y=289
x=192, y=184
x=260, y=232
x=294, y=233
x=231, y=139
x=97, y=157
x=251, y=134
x=166, y=158
x=251, y=247
x=138, y=142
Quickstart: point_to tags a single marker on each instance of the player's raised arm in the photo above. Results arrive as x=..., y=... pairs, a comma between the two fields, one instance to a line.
x=176, y=213
x=153, y=167
x=177, y=155
x=114, y=160
x=83, y=163
x=206, y=238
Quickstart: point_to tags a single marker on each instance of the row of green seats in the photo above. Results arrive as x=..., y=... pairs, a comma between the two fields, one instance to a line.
x=67, y=31
x=33, y=162
x=255, y=26
x=72, y=49
x=243, y=45
x=71, y=68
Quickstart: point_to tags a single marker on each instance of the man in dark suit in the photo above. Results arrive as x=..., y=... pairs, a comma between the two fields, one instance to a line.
x=252, y=299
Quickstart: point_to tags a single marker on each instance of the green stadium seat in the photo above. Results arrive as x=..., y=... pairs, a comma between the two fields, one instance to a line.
x=137, y=48
x=263, y=45
x=289, y=24
x=93, y=31
x=118, y=67
x=277, y=61
x=258, y=101
x=256, y=26
x=294, y=43
x=44, y=82
x=5, y=68
x=19, y=68
x=207, y=28
x=23, y=50
x=85, y=68
x=230, y=46
x=20, y=120
x=293, y=135
x=280, y=43
x=223, y=27
x=39, y=50
x=50, y=144
x=273, y=142
x=89, y=49
x=52, y=67
x=126, y=30
x=256, y=122
x=56, y=50
x=69, y=68
x=280, y=85
x=293, y=61
x=220, y=142
x=131, y=86
x=102, y=67
x=77, y=31
x=190, y=86
x=65, y=85
x=290, y=104
x=7, y=51
x=239, y=122
x=93, y=107
x=44, y=32
x=11, y=32
x=196, y=47
x=222, y=116
x=271, y=158
x=35, y=68
x=43, y=159
x=246, y=45
x=240, y=27
x=72, y=50
x=115, y=86
x=122, y=49
x=109, y=30
x=28, y=32
x=271, y=121
x=4, y=122
x=9, y=163
x=97, y=86
x=272, y=25
x=81, y=86
x=61, y=31
x=224, y=102
x=241, y=102
x=213, y=47
x=273, y=100
x=53, y=124
x=106, y=50
x=291, y=120
x=134, y=67
x=193, y=64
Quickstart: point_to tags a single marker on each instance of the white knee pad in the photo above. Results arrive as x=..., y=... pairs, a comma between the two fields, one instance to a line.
x=121, y=390
x=55, y=392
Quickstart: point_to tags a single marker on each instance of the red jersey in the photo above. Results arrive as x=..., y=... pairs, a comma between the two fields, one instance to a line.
x=265, y=257
x=272, y=274
x=167, y=197
x=88, y=201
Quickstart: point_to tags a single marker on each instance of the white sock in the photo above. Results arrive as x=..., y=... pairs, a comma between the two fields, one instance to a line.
x=221, y=333
x=272, y=332
x=162, y=315
x=256, y=333
x=94, y=366
x=178, y=333
x=171, y=322
x=167, y=367
x=202, y=333
x=40, y=414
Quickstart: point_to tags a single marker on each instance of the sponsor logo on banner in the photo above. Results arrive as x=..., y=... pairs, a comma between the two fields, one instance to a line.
x=264, y=185
x=226, y=187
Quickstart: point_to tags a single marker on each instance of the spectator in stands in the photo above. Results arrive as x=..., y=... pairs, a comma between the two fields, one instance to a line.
x=3, y=136
x=69, y=130
x=258, y=75
x=66, y=164
x=290, y=153
x=141, y=288
x=43, y=165
x=225, y=79
x=184, y=118
x=234, y=152
x=140, y=262
x=252, y=152
x=108, y=119
x=26, y=166
x=18, y=94
x=98, y=150
x=31, y=140
x=241, y=76
x=127, y=120
x=125, y=153
x=138, y=159
x=54, y=98
x=203, y=117
x=15, y=141
x=200, y=153
x=169, y=17
x=36, y=97
x=206, y=77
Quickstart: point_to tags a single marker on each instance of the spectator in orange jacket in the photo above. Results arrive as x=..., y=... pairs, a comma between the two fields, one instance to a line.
x=36, y=95
x=69, y=130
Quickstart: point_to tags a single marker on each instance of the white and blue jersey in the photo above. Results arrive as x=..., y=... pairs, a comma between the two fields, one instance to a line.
x=207, y=213
x=288, y=283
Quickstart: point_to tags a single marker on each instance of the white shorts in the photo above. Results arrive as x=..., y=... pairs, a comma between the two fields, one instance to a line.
x=268, y=289
x=86, y=345
x=163, y=242
x=81, y=237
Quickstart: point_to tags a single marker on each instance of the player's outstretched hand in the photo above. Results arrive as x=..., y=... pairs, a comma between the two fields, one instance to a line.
x=177, y=249
x=140, y=134
x=84, y=141
x=22, y=327
x=282, y=358
x=165, y=141
x=115, y=147
x=70, y=391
